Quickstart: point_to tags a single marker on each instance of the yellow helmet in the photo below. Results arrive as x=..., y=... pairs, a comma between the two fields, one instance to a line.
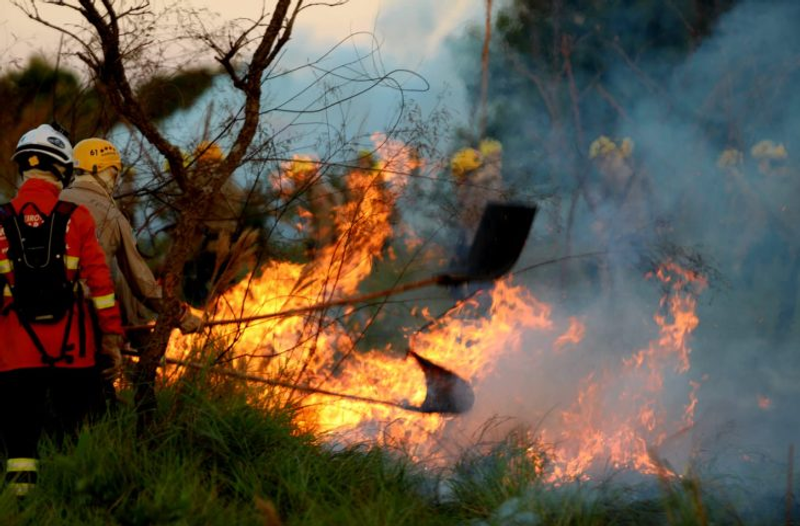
x=730, y=158
x=208, y=152
x=604, y=147
x=489, y=147
x=95, y=155
x=464, y=161
x=769, y=150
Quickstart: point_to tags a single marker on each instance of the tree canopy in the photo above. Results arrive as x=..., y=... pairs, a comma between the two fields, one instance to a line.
x=44, y=91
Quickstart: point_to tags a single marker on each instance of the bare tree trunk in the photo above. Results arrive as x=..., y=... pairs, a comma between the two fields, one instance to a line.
x=205, y=185
x=187, y=231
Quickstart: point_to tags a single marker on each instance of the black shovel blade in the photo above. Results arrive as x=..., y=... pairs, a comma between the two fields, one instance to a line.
x=447, y=392
x=498, y=242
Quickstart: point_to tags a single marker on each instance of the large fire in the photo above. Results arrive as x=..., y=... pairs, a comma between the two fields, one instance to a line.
x=617, y=416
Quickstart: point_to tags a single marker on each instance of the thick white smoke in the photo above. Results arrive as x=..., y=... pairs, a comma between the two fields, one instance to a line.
x=716, y=150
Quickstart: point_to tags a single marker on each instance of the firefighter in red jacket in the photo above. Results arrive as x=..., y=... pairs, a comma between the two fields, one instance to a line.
x=48, y=379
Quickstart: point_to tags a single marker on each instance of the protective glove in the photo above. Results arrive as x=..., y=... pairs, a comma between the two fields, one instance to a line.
x=189, y=322
x=109, y=358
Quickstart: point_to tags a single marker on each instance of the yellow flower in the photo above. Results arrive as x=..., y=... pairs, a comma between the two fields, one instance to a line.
x=465, y=160
x=729, y=158
x=769, y=150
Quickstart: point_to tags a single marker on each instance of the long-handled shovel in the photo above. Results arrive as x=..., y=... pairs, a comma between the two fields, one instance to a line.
x=497, y=244
x=425, y=407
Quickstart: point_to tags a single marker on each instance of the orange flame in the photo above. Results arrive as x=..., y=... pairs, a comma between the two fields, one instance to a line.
x=573, y=336
x=617, y=418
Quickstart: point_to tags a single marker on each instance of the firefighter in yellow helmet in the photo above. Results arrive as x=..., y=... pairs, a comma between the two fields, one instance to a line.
x=770, y=156
x=302, y=187
x=226, y=247
x=776, y=251
x=478, y=176
x=98, y=166
x=226, y=210
x=621, y=218
x=477, y=173
x=613, y=160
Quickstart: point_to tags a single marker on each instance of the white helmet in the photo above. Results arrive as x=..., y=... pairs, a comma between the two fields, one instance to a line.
x=45, y=148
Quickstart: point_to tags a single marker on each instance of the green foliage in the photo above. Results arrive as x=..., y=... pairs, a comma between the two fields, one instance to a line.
x=42, y=92
x=33, y=95
x=38, y=81
x=502, y=489
x=163, y=95
x=639, y=27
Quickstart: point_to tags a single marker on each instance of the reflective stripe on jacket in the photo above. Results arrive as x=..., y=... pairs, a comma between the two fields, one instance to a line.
x=85, y=260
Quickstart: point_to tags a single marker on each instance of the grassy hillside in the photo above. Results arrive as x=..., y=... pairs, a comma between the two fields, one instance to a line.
x=214, y=456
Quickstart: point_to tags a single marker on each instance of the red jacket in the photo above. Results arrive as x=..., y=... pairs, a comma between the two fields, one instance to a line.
x=83, y=258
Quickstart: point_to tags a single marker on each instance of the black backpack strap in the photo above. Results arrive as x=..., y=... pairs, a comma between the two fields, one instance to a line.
x=47, y=359
x=60, y=216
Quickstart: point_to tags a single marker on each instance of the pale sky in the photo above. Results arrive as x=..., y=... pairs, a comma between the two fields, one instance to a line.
x=410, y=29
x=412, y=35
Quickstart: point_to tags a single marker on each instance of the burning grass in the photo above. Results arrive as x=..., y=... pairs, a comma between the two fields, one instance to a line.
x=617, y=415
x=611, y=411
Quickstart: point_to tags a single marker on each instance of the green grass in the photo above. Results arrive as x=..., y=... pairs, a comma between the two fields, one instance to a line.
x=215, y=458
x=213, y=455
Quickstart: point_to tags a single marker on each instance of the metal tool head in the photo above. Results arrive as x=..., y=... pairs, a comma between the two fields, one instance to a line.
x=447, y=392
x=497, y=244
